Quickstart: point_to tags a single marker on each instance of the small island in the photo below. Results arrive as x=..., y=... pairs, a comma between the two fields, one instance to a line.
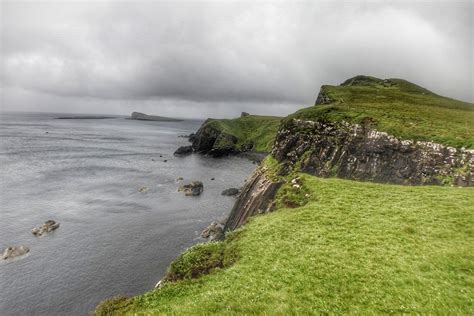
x=146, y=117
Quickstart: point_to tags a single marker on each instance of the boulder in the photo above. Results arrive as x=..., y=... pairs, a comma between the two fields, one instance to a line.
x=143, y=189
x=230, y=192
x=213, y=232
x=194, y=188
x=184, y=151
x=13, y=252
x=47, y=227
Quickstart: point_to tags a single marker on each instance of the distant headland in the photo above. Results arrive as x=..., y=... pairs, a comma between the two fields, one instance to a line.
x=146, y=117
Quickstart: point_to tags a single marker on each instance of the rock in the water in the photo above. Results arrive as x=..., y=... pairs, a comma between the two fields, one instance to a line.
x=179, y=179
x=13, y=252
x=184, y=151
x=215, y=231
x=47, y=227
x=230, y=192
x=192, y=189
x=143, y=189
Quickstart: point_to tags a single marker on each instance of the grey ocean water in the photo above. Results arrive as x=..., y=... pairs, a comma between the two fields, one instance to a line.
x=86, y=175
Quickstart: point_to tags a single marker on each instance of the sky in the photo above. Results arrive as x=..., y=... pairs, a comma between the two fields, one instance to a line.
x=200, y=59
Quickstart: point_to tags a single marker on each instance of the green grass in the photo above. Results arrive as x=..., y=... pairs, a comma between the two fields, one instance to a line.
x=353, y=248
x=260, y=131
x=399, y=108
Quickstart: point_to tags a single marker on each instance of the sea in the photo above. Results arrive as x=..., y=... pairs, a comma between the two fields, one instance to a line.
x=114, y=239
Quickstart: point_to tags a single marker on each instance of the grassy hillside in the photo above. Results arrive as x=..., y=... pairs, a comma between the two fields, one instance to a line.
x=255, y=129
x=338, y=246
x=351, y=247
x=397, y=107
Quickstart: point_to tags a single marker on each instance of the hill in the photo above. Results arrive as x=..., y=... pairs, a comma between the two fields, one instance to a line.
x=395, y=106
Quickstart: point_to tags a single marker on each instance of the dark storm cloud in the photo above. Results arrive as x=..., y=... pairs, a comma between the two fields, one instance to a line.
x=224, y=57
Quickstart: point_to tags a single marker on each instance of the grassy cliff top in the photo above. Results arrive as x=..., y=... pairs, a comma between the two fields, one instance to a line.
x=256, y=129
x=375, y=249
x=399, y=108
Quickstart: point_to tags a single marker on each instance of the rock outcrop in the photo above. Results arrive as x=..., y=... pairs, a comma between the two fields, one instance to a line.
x=14, y=252
x=255, y=198
x=323, y=97
x=184, y=151
x=215, y=142
x=230, y=192
x=146, y=117
x=359, y=152
x=47, y=227
x=213, y=232
x=194, y=188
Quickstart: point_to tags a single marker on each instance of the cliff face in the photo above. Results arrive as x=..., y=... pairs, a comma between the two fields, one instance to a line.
x=255, y=198
x=213, y=141
x=356, y=151
x=352, y=151
x=248, y=133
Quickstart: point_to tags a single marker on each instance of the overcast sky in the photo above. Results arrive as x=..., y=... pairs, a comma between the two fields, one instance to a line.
x=216, y=59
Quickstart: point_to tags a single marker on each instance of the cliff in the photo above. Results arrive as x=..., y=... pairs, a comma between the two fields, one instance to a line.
x=249, y=133
x=345, y=135
x=255, y=198
x=359, y=152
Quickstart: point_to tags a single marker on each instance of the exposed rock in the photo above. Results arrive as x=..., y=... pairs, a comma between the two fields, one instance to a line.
x=213, y=232
x=184, y=151
x=209, y=140
x=212, y=179
x=359, y=152
x=323, y=97
x=244, y=114
x=47, y=227
x=230, y=192
x=159, y=284
x=256, y=198
x=192, y=189
x=143, y=189
x=146, y=117
x=13, y=252
x=179, y=179
x=191, y=137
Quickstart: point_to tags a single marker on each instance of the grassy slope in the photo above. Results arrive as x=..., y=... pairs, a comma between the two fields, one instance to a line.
x=401, y=109
x=353, y=248
x=260, y=130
